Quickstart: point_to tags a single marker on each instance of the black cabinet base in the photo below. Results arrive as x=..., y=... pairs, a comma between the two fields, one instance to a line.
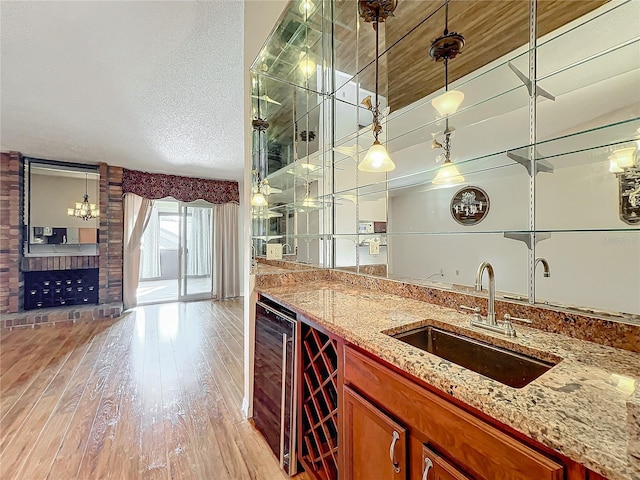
x=60, y=288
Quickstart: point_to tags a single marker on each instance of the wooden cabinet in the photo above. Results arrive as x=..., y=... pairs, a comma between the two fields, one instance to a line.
x=435, y=467
x=375, y=444
x=468, y=443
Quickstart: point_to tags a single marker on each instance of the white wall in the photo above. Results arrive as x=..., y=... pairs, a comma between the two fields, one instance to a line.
x=595, y=269
x=51, y=196
x=420, y=217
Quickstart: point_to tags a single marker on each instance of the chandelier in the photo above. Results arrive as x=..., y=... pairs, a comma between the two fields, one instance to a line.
x=84, y=210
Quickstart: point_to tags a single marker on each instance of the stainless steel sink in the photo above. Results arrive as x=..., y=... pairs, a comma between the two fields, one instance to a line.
x=504, y=366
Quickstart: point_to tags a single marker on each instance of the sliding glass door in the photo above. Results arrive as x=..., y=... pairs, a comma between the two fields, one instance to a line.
x=195, y=258
x=176, y=259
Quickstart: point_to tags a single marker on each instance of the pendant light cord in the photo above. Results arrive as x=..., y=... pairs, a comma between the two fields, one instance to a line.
x=447, y=140
x=377, y=106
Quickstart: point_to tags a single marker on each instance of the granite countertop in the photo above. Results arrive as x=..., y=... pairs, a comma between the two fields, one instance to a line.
x=578, y=408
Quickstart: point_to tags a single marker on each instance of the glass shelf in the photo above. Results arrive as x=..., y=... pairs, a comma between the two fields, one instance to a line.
x=593, y=140
x=601, y=137
x=567, y=45
x=267, y=238
x=313, y=205
x=507, y=234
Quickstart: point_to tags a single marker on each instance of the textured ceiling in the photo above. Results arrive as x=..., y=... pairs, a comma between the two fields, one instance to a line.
x=155, y=86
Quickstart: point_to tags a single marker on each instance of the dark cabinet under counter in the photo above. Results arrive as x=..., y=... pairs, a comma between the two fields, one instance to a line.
x=60, y=288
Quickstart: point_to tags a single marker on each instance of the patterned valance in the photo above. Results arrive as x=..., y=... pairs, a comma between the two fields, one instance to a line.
x=185, y=189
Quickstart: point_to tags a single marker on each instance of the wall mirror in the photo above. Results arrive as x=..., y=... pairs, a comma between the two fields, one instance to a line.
x=549, y=128
x=57, y=220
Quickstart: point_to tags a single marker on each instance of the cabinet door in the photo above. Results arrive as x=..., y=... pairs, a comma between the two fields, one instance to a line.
x=375, y=444
x=434, y=467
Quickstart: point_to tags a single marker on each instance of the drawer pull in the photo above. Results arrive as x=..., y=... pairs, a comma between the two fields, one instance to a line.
x=392, y=451
x=428, y=465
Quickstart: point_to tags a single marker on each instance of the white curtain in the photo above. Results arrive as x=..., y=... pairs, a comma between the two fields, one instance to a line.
x=199, y=242
x=225, y=274
x=137, y=211
x=150, y=261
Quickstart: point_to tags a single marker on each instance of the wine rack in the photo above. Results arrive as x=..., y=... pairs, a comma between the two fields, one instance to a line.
x=319, y=403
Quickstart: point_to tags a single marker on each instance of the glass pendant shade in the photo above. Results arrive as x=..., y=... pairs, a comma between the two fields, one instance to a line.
x=448, y=175
x=448, y=102
x=613, y=165
x=306, y=65
x=310, y=202
x=376, y=160
x=258, y=200
x=624, y=157
x=306, y=7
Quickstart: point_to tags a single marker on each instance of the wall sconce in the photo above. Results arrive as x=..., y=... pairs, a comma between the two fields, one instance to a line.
x=448, y=173
x=623, y=163
x=377, y=159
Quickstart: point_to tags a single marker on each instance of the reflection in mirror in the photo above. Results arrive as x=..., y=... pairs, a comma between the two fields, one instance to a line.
x=54, y=192
x=538, y=138
x=289, y=78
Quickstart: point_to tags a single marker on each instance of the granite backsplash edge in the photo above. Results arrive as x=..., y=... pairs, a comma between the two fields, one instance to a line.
x=575, y=325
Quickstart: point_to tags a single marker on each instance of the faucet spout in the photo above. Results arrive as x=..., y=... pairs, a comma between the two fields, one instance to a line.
x=545, y=264
x=491, y=313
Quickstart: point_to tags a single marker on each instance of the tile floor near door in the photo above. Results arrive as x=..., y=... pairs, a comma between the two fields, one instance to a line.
x=154, y=394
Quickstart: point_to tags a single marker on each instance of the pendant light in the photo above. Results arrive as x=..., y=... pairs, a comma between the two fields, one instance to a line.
x=377, y=159
x=259, y=189
x=444, y=48
x=306, y=64
x=258, y=198
x=84, y=210
x=621, y=159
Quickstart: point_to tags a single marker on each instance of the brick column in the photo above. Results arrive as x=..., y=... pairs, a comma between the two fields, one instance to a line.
x=115, y=216
x=111, y=234
x=11, y=213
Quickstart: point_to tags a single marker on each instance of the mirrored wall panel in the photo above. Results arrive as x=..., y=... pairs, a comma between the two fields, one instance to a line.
x=512, y=130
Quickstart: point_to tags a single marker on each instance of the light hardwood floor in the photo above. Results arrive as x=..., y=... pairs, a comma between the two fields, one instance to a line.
x=155, y=394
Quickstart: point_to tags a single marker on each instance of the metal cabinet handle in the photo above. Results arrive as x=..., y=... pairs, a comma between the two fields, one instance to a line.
x=283, y=398
x=392, y=451
x=428, y=465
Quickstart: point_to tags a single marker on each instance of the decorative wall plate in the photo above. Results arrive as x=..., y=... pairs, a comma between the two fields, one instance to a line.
x=469, y=205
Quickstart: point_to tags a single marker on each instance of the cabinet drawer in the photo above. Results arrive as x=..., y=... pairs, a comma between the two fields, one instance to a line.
x=434, y=467
x=481, y=449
